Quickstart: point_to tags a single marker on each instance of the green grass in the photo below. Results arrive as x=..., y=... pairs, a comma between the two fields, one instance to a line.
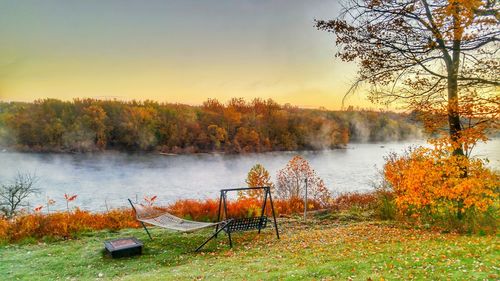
x=318, y=250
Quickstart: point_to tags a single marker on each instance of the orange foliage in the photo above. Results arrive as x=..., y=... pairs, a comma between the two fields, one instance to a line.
x=63, y=224
x=434, y=181
x=4, y=226
x=237, y=127
x=197, y=210
x=354, y=199
x=295, y=206
x=67, y=224
x=206, y=210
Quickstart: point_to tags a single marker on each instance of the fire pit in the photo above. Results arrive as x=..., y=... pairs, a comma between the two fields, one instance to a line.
x=123, y=247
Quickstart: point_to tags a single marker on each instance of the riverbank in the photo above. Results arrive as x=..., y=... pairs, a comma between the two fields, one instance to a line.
x=319, y=249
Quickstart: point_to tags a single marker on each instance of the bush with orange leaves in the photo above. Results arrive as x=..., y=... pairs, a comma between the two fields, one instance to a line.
x=364, y=201
x=64, y=224
x=207, y=210
x=4, y=226
x=436, y=186
x=68, y=224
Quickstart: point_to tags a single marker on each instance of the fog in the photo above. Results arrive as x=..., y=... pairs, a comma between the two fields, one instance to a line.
x=110, y=178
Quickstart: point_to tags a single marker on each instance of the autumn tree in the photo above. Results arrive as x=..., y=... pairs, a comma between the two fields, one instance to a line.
x=246, y=140
x=95, y=118
x=258, y=176
x=292, y=182
x=427, y=53
x=218, y=136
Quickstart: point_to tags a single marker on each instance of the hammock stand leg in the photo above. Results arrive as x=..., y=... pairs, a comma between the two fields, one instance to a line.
x=145, y=228
x=143, y=225
x=229, y=237
x=274, y=216
x=215, y=235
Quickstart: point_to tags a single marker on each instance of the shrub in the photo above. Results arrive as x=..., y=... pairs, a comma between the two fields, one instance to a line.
x=206, y=210
x=198, y=210
x=4, y=225
x=438, y=187
x=67, y=224
x=386, y=207
x=64, y=224
x=350, y=200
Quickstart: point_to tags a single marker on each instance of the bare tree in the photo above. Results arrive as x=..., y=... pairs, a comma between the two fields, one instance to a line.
x=424, y=52
x=13, y=195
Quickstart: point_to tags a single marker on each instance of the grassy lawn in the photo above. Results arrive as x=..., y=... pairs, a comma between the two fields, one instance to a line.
x=319, y=250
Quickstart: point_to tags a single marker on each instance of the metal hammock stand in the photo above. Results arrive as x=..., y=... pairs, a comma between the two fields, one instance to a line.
x=245, y=224
x=150, y=215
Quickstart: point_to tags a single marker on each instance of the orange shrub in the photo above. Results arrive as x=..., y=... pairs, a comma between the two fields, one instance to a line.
x=64, y=224
x=349, y=200
x=295, y=205
x=197, y=210
x=67, y=224
x=206, y=210
x=437, y=183
x=4, y=225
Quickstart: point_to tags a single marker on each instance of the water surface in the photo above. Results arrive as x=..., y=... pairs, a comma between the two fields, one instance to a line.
x=110, y=178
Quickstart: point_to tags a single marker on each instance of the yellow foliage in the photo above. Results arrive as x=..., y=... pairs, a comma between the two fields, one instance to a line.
x=258, y=176
x=434, y=180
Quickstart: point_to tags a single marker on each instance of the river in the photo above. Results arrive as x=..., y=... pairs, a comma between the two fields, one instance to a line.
x=108, y=179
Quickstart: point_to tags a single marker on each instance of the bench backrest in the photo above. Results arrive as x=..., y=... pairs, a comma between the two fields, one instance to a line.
x=245, y=224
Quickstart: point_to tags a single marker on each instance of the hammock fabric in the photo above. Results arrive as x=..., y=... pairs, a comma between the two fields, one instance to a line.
x=150, y=215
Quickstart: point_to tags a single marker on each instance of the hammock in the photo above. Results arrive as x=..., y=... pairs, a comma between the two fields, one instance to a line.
x=164, y=219
x=150, y=215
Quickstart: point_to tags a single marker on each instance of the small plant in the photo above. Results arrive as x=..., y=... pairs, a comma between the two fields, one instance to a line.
x=150, y=200
x=50, y=202
x=386, y=208
x=69, y=198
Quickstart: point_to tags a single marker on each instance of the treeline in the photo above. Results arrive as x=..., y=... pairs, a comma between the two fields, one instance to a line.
x=84, y=125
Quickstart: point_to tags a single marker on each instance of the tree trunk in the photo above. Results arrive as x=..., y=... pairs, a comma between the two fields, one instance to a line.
x=455, y=126
x=453, y=113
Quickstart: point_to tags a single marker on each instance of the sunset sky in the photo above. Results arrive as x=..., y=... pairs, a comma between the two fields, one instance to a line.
x=174, y=51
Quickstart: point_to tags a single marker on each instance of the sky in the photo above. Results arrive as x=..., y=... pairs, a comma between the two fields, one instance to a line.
x=182, y=51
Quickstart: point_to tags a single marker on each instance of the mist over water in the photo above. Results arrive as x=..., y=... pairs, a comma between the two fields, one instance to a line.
x=111, y=178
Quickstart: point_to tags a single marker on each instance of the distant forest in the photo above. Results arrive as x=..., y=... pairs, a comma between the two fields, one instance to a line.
x=238, y=126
